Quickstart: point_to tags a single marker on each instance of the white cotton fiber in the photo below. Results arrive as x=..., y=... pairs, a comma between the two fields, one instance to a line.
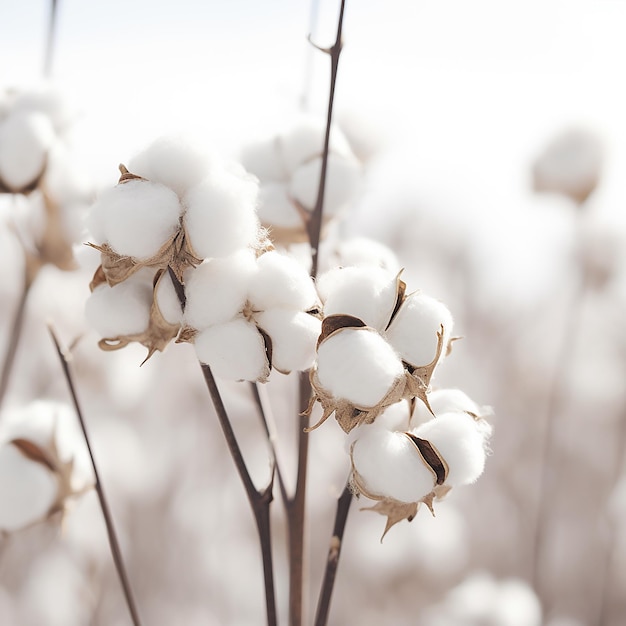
x=217, y=290
x=365, y=252
x=413, y=332
x=123, y=309
x=27, y=489
x=305, y=141
x=221, y=213
x=516, y=605
x=390, y=465
x=135, y=217
x=24, y=141
x=167, y=300
x=460, y=440
x=262, y=158
x=294, y=336
x=342, y=179
x=275, y=207
x=49, y=101
x=281, y=283
x=452, y=400
x=173, y=162
x=366, y=293
x=358, y=365
x=235, y=351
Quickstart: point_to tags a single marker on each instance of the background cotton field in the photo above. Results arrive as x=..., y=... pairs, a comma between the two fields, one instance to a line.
x=477, y=154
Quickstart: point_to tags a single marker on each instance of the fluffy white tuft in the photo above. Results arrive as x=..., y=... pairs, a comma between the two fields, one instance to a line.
x=235, y=351
x=390, y=465
x=24, y=141
x=173, y=162
x=217, y=290
x=262, y=158
x=123, y=309
x=366, y=293
x=461, y=442
x=366, y=252
x=342, y=178
x=294, y=336
x=281, y=283
x=221, y=213
x=358, y=365
x=413, y=332
x=135, y=217
x=276, y=208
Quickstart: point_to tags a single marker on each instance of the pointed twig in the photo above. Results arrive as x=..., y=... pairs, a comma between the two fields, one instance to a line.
x=314, y=225
x=51, y=39
x=104, y=506
x=259, y=500
x=334, y=551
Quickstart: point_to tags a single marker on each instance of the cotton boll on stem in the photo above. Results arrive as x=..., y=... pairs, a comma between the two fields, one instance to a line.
x=367, y=293
x=460, y=441
x=342, y=178
x=217, y=290
x=136, y=217
x=281, y=283
x=27, y=489
x=173, y=162
x=389, y=465
x=24, y=141
x=123, y=309
x=413, y=331
x=358, y=365
x=220, y=216
x=293, y=335
x=234, y=351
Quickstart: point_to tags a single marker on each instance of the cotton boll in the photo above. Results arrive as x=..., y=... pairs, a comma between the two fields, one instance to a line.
x=24, y=140
x=342, y=178
x=221, y=214
x=27, y=489
x=446, y=401
x=235, y=351
x=305, y=141
x=365, y=252
x=358, y=365
x=167, y=300
x=217, y=290
x=173, y=162
x=473, y=598
x=367, y=293
x=390, y=465
x=516, y=605
x=294, y=336
x=281, y=283
x=48, y=101
x=135, y=217
x=262, y=158
x=413, y=332
x=123, y=309
x=460, y=441
x=275, y=207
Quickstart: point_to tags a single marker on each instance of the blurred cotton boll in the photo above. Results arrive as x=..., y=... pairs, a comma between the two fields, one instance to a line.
x=43, y=463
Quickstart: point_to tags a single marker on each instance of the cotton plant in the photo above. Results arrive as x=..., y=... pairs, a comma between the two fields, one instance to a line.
x=288, y=165
x=43, y=464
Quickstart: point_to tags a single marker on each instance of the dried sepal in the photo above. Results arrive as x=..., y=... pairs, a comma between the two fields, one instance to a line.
x=431, y=457
x=157, y=335
x=334, y=323
x=400, y=298
x=125, y=175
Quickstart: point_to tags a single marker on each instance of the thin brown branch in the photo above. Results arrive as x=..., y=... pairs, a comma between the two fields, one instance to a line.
x=15, y=332
x=51, y=38
x=334, y=551
x=102, y=499
x=259, y=500
x=314, y=225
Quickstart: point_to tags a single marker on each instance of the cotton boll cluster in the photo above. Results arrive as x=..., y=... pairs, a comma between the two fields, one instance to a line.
x=176, y=208
x=247, y=314
x=35, y=164
x=481, y=600
x=401, y=468
x=377, y=345
x=570, y=164
x=288, y=165
x=43, y=464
